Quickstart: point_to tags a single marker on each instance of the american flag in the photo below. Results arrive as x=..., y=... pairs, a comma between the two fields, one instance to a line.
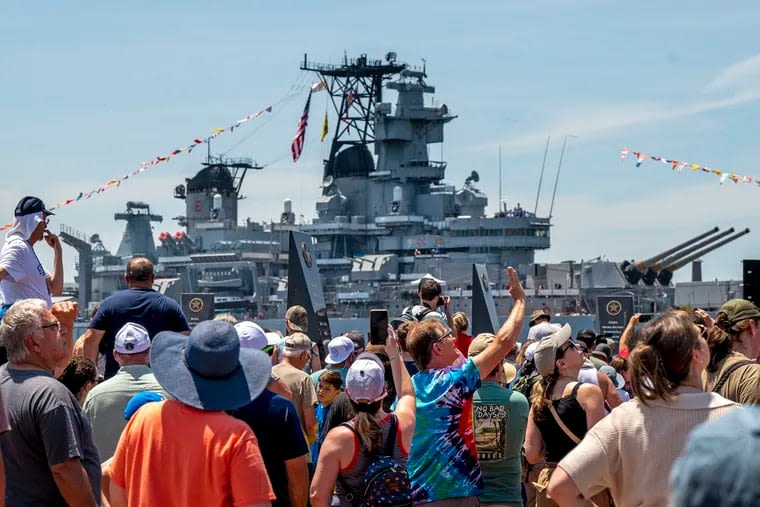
x=296, y=146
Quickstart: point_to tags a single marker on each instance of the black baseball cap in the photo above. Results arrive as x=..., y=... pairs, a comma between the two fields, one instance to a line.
x=30, y=204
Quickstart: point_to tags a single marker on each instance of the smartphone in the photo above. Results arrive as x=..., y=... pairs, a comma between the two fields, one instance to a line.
x=378, y=326
x=645, y=317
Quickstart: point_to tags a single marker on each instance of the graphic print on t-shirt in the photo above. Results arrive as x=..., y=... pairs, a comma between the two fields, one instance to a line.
x=490, y=422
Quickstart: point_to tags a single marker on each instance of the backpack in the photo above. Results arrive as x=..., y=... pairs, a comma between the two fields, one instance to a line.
x=385, y=483
x=525, y=383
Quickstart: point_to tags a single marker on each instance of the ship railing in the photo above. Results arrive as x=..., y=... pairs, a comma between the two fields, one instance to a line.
x=74, y=233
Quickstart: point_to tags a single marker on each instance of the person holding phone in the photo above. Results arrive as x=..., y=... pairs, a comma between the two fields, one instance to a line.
x=22, y=275
x=350, y=448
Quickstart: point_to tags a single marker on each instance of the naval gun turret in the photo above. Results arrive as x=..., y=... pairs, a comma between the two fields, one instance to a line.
x=635, y=271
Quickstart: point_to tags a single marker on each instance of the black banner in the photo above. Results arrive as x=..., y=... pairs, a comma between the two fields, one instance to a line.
x=614, y=312
x=197, y=307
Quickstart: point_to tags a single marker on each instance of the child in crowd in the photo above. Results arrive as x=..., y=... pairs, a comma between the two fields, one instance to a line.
x=328, y=387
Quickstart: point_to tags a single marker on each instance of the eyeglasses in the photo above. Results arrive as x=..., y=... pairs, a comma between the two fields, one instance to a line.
x=56, y=325
x=444, y=336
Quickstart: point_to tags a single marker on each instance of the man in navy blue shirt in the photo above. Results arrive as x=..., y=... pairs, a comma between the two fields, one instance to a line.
x=140, y=304
x=275, y=423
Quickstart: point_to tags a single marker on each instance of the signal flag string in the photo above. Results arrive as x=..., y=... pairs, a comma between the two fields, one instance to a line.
x=680, y=165
x=115, y=182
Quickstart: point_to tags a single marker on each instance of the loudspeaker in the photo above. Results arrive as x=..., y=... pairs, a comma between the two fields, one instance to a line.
x=751, y=280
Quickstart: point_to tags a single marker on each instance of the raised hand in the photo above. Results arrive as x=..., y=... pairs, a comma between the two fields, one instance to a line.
x=515, y=287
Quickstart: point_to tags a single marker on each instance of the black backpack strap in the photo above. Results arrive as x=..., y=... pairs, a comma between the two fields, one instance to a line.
x=390, y=443
x=577, y=386
x=726, y=374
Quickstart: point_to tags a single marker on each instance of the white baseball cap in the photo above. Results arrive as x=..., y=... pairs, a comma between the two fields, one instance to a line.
x=251, y=335
x=365, y=380
x=339, y=349
x=131, y=339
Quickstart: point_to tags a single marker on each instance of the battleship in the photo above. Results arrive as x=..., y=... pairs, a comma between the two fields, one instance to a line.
x=386, y=217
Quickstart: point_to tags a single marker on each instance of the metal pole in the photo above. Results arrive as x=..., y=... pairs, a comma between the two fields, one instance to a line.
x=541, y=178
x=556, y=179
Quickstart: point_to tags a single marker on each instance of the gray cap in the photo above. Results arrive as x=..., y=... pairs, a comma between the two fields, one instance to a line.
x=545, y=355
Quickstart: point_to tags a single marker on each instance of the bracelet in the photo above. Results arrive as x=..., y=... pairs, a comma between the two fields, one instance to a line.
x=394, y=357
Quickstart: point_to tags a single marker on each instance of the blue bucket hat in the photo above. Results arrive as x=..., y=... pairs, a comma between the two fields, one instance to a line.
x=208, y=369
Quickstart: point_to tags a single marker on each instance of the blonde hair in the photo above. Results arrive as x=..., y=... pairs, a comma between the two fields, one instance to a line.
x=226, y=317
x=460, y=321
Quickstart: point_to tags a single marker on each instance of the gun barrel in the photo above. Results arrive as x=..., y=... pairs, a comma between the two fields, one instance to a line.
x=647, y=263
x=671, y=259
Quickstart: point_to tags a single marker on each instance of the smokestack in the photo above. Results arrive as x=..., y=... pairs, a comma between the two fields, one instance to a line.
x=696, y=271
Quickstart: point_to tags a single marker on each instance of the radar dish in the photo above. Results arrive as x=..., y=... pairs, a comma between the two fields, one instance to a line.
x=390, y=56
x=327, y=182
x=94, y=238
x=475, y=176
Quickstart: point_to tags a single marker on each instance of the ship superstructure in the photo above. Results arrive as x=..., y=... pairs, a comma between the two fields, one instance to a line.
x=385, y=218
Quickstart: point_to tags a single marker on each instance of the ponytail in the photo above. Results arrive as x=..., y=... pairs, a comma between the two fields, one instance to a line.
x=722, y=339
x=662, y=360
x=370, y=432
x=542, y=393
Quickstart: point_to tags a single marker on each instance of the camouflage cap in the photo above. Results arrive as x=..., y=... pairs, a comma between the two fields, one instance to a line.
x=297, y=318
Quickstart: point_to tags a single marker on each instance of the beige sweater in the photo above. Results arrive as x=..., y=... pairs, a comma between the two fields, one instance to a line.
x=632, y=450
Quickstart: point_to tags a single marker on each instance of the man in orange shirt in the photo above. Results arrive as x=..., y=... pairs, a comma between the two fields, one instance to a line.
x=188, y=451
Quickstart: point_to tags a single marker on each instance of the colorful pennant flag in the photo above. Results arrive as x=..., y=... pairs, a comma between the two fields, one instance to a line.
x=679, y=165
x=115, y=182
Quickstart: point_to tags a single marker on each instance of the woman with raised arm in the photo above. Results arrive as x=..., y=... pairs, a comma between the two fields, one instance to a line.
x=631, y=451
x=348, y=448
x=562, y=409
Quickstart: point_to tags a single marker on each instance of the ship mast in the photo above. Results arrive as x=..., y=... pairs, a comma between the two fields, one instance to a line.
x=354, y=87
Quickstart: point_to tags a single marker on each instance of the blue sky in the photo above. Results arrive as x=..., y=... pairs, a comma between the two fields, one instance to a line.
x=89, y=90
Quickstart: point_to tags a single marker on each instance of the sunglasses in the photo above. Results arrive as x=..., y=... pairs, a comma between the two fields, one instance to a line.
x=444, y=336
x=570, y=345
x=268, y=350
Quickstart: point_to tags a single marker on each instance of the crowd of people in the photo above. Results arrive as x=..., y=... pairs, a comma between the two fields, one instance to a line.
x=142, y=410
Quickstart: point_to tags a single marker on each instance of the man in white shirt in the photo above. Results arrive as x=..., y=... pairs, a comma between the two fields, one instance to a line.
x=22, y=275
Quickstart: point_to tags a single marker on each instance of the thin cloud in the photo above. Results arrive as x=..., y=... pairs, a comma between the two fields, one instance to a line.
x=741, y=75
x=595, y=120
